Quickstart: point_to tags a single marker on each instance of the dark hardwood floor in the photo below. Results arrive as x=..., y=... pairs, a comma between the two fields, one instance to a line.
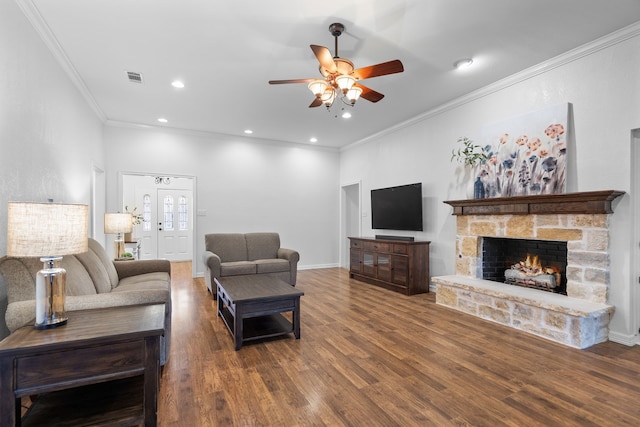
x=372, y=357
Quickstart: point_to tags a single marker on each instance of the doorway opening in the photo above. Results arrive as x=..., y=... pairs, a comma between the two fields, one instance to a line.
x=351, y=223
x=164, y=209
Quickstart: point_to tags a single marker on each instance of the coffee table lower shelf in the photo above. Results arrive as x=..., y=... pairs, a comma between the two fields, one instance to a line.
x=259, y=327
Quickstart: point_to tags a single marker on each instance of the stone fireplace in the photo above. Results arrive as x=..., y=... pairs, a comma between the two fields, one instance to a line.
x=577, y=313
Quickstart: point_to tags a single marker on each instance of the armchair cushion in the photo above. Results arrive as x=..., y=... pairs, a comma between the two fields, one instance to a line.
x=271, y=265
x=262, y=245
x=230, y=247
x=237, y=268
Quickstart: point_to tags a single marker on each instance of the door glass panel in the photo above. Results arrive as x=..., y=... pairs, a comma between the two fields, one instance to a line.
x=383, y=261
x=368, y=259
x=146, y=212
x=183, y=214
x=384, y=270
x=168, y=213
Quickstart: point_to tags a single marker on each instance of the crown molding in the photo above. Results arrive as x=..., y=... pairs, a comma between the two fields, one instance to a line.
x=587, y=49
x=37, y=22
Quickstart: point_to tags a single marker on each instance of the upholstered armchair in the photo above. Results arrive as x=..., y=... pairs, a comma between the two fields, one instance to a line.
x=235, y=254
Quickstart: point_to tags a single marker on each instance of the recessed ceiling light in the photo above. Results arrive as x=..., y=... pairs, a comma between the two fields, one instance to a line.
x=346, y=115
x=177, y=84
x=248, y=131
x=463, y=63
x=162, y=120
x=313, y=140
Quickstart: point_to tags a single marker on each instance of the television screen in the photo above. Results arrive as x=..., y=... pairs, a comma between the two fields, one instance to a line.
x=397, y=208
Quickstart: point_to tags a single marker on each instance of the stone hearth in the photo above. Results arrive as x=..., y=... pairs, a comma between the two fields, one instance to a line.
x=579, y=319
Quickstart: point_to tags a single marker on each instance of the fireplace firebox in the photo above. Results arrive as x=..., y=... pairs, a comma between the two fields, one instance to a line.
x=539, y=264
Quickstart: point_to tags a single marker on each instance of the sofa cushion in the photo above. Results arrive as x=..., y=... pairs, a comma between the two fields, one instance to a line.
x=237, y=268
x=262, y=245
x=148, y=281
x=271, y=265
x=17, y=272
x=230, y=247
x=79, y=282
x=94, y=267
x=99, y=266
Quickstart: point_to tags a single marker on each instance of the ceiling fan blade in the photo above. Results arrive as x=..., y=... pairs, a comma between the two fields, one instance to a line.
x=283, y=82
x=316, y=103
x=382, y=69
x=370, y=94
x=324, y=58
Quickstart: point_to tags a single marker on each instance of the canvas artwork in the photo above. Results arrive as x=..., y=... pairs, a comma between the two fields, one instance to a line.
x=526, y=155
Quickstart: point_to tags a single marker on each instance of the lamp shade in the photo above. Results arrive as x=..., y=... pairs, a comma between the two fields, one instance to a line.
x=46, y=229
x=115, y=223
x=317, y=87
x=345, y=82
x=328, y=96
x=354, y=93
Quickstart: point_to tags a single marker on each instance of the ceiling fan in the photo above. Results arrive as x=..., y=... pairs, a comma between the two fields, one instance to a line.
x=341, y=80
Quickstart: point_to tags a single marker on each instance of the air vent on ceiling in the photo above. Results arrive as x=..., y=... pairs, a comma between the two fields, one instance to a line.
x=134, y=77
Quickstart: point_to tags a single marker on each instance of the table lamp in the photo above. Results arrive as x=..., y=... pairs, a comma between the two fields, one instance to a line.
x=48, y=231
x=118, y=223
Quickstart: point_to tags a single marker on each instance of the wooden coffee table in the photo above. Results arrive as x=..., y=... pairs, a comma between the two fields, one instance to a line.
x=101, y=368
x=251, y=307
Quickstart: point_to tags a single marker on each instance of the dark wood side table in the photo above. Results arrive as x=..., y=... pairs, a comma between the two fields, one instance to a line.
x=101, y=368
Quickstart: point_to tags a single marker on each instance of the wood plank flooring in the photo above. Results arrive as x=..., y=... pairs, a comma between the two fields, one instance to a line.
x=372, y=357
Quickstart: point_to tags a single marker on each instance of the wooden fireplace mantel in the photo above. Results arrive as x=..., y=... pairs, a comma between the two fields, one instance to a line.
x=590, y=202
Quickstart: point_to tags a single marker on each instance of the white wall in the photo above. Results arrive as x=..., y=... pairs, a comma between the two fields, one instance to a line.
x=243, y=184
x=49, y=136
x=604, y=89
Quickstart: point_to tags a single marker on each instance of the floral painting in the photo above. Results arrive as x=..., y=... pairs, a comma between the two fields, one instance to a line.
x=526, y=155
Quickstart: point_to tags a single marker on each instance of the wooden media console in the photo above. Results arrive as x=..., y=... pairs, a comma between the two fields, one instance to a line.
x=402, y=266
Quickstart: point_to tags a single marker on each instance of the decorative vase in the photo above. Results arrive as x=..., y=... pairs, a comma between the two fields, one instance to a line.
x=478, y=189
x=470, y=189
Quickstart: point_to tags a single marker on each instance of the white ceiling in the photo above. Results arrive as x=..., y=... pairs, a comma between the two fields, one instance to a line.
x=226, y=51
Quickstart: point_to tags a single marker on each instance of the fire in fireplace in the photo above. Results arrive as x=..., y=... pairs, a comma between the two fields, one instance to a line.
x=531, y=273
x=538, y=264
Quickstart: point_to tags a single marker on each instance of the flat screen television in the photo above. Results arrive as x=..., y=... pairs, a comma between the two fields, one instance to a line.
x=397, y=208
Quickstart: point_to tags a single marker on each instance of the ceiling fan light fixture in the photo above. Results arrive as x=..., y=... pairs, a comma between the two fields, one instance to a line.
x=345, y=82
x=340, y=76
x=318, y=87
x=328, y=96
x=353, y=94
x=344, y=66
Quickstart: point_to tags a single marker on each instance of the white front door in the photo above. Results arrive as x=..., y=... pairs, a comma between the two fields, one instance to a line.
x=148, y=196
x=174, y=225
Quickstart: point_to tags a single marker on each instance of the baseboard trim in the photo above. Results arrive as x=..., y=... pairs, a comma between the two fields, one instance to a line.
x=317, y=266
x=629, y=340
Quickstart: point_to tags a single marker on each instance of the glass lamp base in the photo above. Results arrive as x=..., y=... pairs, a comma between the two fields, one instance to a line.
x=50, y=294
x=118, y=247
x=52, y=324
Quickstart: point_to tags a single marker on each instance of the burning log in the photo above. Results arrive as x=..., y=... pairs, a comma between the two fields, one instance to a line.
x=530, y=273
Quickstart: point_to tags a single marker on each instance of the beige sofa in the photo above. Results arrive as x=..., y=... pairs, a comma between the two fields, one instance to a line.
x=236, y=254
x=93, y=281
